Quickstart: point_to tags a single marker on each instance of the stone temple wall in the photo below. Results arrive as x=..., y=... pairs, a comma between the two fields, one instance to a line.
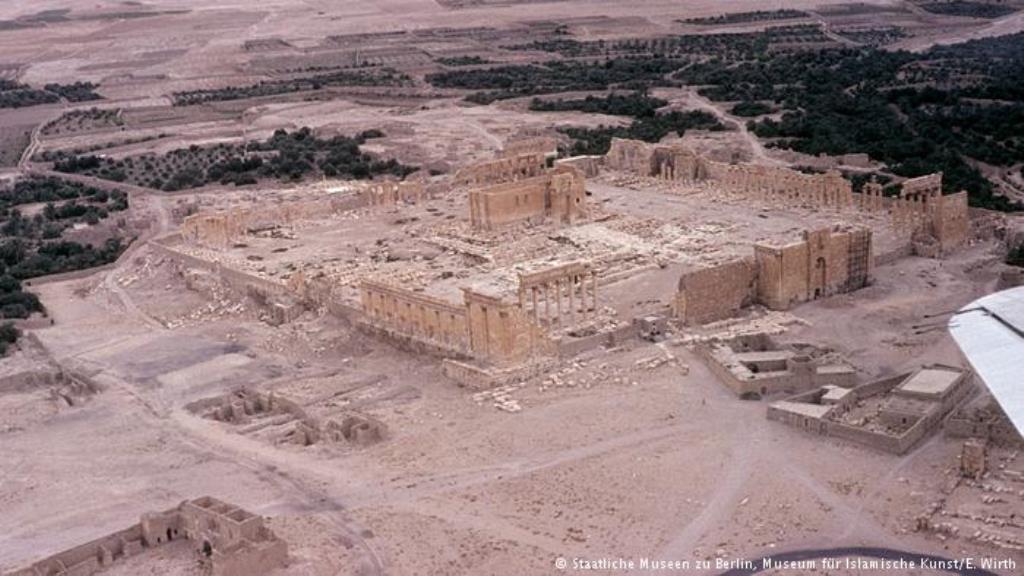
x=715, y=293
x=557, y=195
x=506, y=169
x=825, y=262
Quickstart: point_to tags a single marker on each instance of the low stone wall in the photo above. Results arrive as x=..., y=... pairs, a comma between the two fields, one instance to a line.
x=249, y=558
x=477, y=377
x=567, y=348
x=89, y=558
x=590, y=166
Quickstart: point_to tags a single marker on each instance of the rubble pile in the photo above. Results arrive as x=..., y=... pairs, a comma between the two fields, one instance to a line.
x=500, y=397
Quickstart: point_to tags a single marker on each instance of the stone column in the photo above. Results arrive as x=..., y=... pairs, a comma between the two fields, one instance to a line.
x=533, y=292
x=547, y=304
x=558, y=299
x=572, y=299
x=593, y=276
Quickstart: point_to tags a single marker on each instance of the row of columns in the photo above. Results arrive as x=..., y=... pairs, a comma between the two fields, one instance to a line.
x=767, y=183
x=572, y=290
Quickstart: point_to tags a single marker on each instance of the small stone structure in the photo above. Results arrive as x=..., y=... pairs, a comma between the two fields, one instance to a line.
x=973, y=459
x=651, y=328
x=892, y=414
x=825, y=262
x=255, y=411
x=755, y=365
x=983, y=419
x=357, y=429
x=229, y=541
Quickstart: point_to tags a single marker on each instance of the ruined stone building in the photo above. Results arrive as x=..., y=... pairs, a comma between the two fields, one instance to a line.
x=935, y=223
x=755, y=365
x=220, y=229
x=892, y=414
x=505, y=169
x=572, y=287
x=416, y=319
x=557, y=196
x=766, y=183
x=487, y=327
x=229, y=540
x=824, y=262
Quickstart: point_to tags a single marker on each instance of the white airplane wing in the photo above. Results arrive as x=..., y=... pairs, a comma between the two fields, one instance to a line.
x=990, y=332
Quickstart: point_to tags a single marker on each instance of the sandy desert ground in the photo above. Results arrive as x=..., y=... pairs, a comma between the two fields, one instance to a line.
x=616, y=461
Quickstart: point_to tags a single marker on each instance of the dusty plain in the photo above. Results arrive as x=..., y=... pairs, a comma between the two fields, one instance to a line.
x=612, y=459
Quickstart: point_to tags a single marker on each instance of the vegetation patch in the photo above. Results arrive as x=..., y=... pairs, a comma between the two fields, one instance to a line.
x=647, y=124
x=75, y=121
x=880, y=36
x=743, y=17
x=943, y=110
x=285, y=156
x=637, y=104
x=9, y=334
x=731, y=45
x=647, y=128
x=749, y=109
x=462, y=61
x=376, y=77
x=505, y=82
x=30, y=237
x=64, y=204
x=16, y=95
x=966, y=8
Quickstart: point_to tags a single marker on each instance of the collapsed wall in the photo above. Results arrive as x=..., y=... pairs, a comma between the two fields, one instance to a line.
x=221, y=229
x=545, y=145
